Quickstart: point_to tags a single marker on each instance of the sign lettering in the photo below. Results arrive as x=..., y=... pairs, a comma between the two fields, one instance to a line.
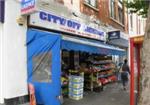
x=59, y=20
x=59, y=23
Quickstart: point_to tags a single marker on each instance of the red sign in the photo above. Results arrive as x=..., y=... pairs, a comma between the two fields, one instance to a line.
x=28, y=6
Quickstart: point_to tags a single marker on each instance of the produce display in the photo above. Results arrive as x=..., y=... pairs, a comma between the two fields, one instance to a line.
x=93, y=74
x=99, y=74
x=64, y=85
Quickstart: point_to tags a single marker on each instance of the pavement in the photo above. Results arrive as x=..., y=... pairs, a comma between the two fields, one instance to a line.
x=19, y=104
x=113, y=94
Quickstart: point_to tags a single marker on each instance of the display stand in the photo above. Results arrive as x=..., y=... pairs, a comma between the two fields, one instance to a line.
x=76, y=84
x=98, y=76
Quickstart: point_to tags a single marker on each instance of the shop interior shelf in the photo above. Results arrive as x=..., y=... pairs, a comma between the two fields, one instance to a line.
x=102, y=62
x=104, y=76
x=105, y=69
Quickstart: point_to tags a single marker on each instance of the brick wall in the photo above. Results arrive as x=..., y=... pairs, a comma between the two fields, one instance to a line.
x=102, y=13
x=88, y=10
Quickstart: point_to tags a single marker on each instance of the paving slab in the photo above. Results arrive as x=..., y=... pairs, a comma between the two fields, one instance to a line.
x=113, y=94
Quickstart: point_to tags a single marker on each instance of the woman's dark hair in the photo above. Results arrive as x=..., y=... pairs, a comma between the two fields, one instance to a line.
x=125, y=61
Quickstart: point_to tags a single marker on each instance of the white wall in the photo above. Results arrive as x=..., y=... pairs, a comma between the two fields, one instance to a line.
x=15, y=70
x=137, y=21
x=1, y=65
x=132, y=30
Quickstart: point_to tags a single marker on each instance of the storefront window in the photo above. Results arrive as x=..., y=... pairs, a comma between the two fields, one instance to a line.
x=42, y=67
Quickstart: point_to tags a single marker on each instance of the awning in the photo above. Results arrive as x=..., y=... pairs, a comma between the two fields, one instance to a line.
x=91, y=46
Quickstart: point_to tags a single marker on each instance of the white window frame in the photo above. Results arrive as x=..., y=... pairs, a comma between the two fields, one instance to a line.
x=92, y=3
x=112, y=9
x=120, y=5
x=131, y=21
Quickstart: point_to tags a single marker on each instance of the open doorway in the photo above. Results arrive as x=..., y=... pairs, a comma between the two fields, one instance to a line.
x=91, y=79
x=88, y=74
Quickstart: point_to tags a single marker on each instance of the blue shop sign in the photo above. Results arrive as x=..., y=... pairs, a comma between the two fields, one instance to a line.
x=59, y=20
x=63, y=24
x=114, y=35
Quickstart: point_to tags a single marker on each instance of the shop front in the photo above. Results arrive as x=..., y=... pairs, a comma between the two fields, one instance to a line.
x=65, y=54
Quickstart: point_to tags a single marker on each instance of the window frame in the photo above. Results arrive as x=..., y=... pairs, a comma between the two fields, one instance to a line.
x=120, y=12
x=131, y=21
x=112, y=9
x=89, y=2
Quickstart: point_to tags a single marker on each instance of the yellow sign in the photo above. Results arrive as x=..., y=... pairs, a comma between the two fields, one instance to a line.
x=138, y=39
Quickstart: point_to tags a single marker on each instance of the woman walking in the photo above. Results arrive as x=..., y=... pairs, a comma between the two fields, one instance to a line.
x=124, y=74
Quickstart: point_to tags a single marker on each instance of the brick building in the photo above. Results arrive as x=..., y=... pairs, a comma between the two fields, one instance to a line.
x=110, y=12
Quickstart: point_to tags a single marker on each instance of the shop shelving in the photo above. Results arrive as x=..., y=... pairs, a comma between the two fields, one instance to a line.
x=92, y=81
x=94, y=76
x=105, y=76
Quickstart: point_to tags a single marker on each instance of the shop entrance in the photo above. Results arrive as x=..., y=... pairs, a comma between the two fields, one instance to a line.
x=100, y=79
x=86, y=66
x=87, y=71
x=94, y=69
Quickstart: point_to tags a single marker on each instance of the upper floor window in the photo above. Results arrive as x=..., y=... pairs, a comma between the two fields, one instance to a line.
x=120, y=12
x=131, y=21
x=119, y=7
x=93, y=3
x=112, y=9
